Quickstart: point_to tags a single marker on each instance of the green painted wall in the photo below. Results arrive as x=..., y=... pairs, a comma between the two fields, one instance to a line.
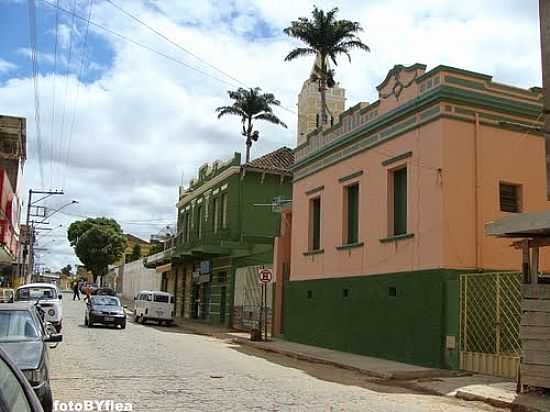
x=260, y=223
x=409, y=327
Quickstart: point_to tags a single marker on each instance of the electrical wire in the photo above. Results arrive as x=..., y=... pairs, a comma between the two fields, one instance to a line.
x=84, y=57
x=185, y=50
x=52, y=137
x=35, y=77
x=67, y=73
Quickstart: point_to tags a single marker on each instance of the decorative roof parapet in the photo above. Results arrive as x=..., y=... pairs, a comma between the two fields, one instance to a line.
x=209, y=171
x=394, y=98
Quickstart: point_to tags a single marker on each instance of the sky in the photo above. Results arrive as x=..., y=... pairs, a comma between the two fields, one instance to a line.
x=126, y=116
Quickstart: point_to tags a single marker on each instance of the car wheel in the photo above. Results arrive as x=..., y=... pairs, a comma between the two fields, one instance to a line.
x=123, y=325
x=136, y=318
x=85, y=321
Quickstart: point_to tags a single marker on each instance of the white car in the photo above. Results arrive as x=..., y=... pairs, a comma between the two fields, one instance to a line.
x=48, y=297
x=154, y=305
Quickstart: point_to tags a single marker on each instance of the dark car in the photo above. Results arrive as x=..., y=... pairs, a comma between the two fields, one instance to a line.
x=23, y=336
x=16, y=393
x=104, y=291
x=106, y=310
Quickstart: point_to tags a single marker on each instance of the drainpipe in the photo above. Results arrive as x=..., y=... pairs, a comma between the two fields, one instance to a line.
x=476, y=193
x=544, y=15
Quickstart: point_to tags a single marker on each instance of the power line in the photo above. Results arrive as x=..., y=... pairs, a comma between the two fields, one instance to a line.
x=151, y=49
x=136, y=43
x=83, y=58
x=35, y=73
x=151, y=222
x=52, y=137
x=185, y=50
x=70, y=52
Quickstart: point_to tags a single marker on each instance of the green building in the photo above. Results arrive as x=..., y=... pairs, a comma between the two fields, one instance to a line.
x=225, y=231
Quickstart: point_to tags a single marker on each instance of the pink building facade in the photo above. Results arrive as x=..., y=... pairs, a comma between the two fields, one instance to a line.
x=390, y=206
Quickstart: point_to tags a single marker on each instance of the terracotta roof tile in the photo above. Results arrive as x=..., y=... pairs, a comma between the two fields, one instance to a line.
x=279, y=160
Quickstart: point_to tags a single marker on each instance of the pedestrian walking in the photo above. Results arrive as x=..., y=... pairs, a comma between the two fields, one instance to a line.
x=76, y=292
x=88, y=291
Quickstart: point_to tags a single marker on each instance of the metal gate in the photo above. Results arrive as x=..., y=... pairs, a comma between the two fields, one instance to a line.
x=490, y=314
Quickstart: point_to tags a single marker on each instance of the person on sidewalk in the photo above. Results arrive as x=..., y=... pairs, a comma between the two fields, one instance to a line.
x=76, y=293
x=88, y=291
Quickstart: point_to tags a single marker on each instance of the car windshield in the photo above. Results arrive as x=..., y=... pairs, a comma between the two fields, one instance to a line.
x=105, y=301
x=35, y=293
x=17, y=325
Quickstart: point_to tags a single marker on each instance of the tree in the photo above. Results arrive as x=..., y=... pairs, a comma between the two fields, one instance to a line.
x=67, y=270
x=136, y=253
x=325, y=37
x=98, y=242
x=250, y=105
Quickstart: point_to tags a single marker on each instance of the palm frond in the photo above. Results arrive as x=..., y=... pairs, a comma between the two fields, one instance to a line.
x=271, y=118
x=230, y=110
x=299, y=52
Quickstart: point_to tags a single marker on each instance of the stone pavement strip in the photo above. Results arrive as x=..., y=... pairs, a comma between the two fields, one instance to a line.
x=168, y=369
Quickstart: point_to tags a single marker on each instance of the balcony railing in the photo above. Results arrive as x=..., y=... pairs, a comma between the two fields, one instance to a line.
x=159, y=258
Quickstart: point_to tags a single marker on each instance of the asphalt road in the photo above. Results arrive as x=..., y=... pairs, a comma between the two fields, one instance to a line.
x=166, y=369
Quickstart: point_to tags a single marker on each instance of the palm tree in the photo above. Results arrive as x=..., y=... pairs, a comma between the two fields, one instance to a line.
x=325, y=37
x=249, y=105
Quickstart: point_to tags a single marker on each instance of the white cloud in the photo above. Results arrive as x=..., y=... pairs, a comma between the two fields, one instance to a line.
x=6, y=66
x=146, y=121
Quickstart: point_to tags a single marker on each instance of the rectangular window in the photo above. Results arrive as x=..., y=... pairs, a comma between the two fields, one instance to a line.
x=399, y=201
x=352, y=214
x=315, y=224
x=216, y=209
x=224, y=211
x=188, y=226
x=199, y=221
x=510, y=197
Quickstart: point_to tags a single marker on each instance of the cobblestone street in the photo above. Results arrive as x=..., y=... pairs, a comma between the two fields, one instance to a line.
x=164, y=369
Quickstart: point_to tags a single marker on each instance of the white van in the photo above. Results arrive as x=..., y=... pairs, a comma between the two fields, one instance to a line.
x=154, y=305
x=49, y=299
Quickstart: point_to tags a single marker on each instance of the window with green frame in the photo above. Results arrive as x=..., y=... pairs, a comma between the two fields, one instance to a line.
x=223, y=217
x=199, y=221
x=216, y=212
x=315, y=224
x=352, y=213
x=399, y=180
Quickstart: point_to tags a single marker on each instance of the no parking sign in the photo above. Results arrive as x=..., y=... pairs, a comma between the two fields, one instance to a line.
x=265, y=275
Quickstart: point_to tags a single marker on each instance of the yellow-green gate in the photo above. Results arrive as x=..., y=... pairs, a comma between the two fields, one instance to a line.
x=490, y=314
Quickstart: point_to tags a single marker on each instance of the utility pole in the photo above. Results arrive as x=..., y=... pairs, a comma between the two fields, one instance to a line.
x=29, y=242
x=544, y=16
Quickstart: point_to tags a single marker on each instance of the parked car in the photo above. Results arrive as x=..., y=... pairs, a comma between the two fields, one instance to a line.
x=6, y=295
x=24, y=336
x=49, y=299
x=154, y=305
x=16, y=393
x=106, y=310
x=104, y=291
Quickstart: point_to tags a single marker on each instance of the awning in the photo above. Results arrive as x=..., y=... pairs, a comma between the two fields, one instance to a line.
x=534, y=224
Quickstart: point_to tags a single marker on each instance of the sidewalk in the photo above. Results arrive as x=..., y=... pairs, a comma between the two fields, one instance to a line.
x=498, y=392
